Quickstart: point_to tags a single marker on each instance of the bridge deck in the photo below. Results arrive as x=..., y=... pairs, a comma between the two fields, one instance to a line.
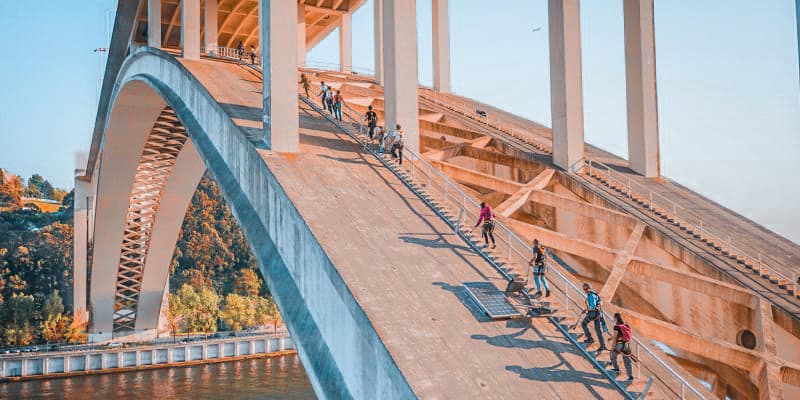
x=405, y=266
x=780, y=253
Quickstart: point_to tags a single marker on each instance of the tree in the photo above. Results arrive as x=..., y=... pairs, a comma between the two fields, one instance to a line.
x=239, y=312
x=59, y=194
x=55, y=328
x=39, y=187
x=247, y=283
x=52, y=305
x=18, y=311
x=198, y=308
x=267, y=313
x=10, y=191
x=76, y=332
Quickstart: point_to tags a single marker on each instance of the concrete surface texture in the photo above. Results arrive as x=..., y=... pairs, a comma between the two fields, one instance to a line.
x=671, y=289
x=367, y=277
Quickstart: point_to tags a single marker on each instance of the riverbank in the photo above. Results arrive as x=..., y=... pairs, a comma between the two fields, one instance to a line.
x=163, y=355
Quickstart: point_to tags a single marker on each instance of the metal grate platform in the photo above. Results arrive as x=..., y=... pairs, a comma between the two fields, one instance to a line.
x=491, y=300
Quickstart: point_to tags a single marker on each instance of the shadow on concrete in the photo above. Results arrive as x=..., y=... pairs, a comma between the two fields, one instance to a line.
x=239, y=111
x=438, y=242
x=561, y=373
x=464, y=298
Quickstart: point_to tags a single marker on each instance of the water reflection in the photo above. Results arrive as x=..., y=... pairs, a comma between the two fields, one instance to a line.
x=279, y=378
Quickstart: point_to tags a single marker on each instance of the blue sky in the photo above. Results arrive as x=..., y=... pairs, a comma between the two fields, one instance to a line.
x=729, y=96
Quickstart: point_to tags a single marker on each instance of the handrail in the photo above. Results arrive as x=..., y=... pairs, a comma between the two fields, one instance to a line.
x=700, y=229
x=514, y=246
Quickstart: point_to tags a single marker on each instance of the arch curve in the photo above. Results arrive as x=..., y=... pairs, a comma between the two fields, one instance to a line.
x=303, y=280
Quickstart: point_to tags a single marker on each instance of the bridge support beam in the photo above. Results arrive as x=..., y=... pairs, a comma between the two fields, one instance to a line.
x=640, y=71
x=346, y=43
x=301, y=34
x=441, y=46
x=154, y=23
x=190, y=29
x=278, y=21
x=400, y=68
x=82, y=198
x=378, y=27
x=566, y=88
x=210, y=35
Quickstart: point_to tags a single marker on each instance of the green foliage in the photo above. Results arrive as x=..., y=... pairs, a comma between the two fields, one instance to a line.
x=239, y=312
x=39, y=187
x=53, y=306
x=16, y=315
x=198, y=308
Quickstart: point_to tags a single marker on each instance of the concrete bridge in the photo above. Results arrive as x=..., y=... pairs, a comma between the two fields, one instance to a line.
x=366, y=258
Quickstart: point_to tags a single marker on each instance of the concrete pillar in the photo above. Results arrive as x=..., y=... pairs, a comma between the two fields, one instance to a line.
x=154, y=23
x=378, y=27
x=640, y=73
x=80, y=245
x=346, y=43
x=211, y=33
x=441, y=46
x=277, y=22
x=190, y=29
x=400, y=68
x=566, y=95
x=797, y=25
x=301, y=34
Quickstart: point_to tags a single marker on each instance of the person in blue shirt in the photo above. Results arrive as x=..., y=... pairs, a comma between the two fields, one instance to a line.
x=593, y=314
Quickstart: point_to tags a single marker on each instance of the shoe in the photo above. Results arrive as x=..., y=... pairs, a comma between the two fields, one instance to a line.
x=538, y=294
x=547, y=293
x=614, y=370
x=601, y=349
x=494, y=245
x=588, y=341
x=630, y=378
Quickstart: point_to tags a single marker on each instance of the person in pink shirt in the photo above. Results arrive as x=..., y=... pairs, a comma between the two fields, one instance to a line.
x=487, y=218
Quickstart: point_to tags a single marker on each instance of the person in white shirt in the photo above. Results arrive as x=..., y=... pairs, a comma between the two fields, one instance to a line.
x=323, y=93
x=398, y=142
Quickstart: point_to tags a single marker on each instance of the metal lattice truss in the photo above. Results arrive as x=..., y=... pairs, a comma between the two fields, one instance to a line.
x=667, y=293
x=155, y=166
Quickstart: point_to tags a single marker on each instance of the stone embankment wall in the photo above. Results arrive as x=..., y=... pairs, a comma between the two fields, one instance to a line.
x=59, y=364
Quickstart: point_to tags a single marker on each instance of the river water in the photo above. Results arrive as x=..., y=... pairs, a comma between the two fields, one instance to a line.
x=280, y=378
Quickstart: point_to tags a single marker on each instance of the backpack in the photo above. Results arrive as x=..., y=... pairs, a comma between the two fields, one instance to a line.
x=372, y=117
x=599, y=301
x=626, y=332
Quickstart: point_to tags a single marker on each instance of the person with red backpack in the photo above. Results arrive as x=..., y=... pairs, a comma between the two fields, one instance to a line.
x=623, y=334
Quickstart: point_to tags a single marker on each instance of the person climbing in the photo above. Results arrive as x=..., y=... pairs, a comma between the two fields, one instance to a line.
x=240, y=50
x=379, y=134
x=539, y=263
x=337, y=105
x=623, y=334
x=594, y=313
x=329, y=99
x=398, y=143
x=322, y=92
x=372, y=122
x=253, y=54
x=304, y=82
x=487, y=217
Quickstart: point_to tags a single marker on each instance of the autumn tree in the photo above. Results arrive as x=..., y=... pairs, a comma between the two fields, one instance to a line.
x=76, y=331
x=267, y=313
x=239, y=312
x=247, y=283
x=55, y=328
x=10, y=192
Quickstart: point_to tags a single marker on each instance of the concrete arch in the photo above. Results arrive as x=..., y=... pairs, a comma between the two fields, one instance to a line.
x=339, y=347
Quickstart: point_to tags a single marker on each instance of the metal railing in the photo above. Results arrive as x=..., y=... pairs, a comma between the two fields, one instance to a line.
x=459, y=209
x=649, y=199
x=456, y=207
x=683, y=219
